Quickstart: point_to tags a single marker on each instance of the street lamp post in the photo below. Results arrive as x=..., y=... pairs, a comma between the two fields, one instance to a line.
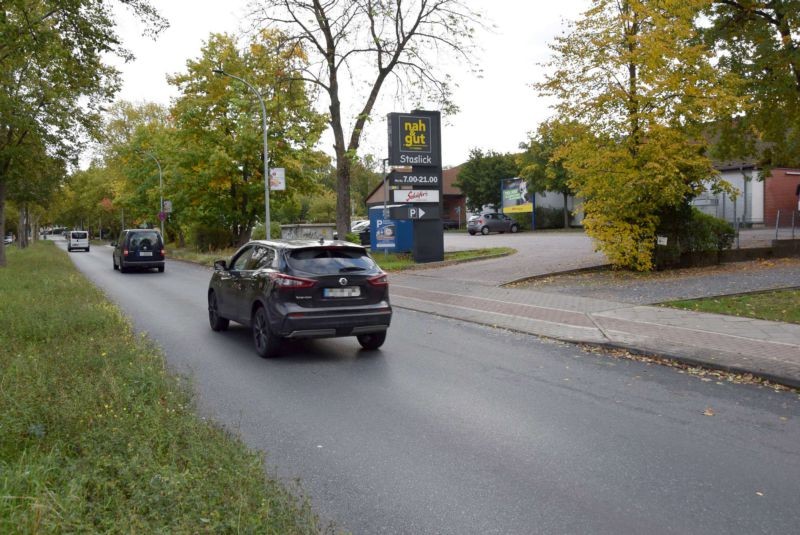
x=160, y=190
x=264, y=129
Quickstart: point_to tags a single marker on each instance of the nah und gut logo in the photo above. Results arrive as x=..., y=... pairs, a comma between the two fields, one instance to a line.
x=414, y=134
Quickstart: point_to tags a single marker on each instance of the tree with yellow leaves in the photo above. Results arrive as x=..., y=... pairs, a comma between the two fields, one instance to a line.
x=638, y=88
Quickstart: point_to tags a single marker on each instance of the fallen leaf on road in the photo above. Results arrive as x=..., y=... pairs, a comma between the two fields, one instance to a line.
x=759, y=493
x=709, y=411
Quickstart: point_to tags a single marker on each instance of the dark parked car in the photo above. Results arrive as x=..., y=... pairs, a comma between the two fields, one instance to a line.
x=449, y=224
x=491, y=222
x=301, y=289
x=138, y=249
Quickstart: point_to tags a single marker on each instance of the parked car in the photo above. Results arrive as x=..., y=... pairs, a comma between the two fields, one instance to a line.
x=449, y=224
x=491, y=222
x=8, y=239
x=359, y=226
x=78, y=239
x=301, y=289
x=138, y=249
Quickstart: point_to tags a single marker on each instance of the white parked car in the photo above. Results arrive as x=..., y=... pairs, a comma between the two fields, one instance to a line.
x=358, y=226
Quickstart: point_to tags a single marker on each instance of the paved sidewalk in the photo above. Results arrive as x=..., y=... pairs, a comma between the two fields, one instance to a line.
x=764, y=348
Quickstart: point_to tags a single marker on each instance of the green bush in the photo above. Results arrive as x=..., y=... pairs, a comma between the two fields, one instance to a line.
x=208, y=238
x=690, y=231
x=547, y=217
x=706, y=233
x=274, y=231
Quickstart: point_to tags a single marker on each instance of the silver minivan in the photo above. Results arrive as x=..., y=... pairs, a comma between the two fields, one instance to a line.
x=77, y=239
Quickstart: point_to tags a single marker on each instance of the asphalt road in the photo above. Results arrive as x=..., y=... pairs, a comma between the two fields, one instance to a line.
x=458, y=428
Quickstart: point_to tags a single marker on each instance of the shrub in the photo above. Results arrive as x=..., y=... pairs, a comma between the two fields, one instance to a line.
x=706, y=233
x=206, y=237
x=549, y=217
x=690, y=231
x=274, y=231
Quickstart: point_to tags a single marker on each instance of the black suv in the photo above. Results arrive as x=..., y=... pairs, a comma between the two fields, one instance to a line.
x=301, y=289
x=138, y=249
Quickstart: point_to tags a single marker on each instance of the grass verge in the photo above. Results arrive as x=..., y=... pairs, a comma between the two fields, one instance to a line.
x=388, y=262
x=778, y=305
x=97, y=436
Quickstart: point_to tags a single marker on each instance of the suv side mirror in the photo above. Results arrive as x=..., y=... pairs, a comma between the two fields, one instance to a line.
x=113, y=244
x=220, y=265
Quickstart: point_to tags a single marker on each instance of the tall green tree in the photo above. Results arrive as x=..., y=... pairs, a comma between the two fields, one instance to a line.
x=640, y=87
x=219, y=132
x=479, y=178
x=81, y=200
x=397, y=42
x=53, y=78
x=539, y=165
x=759, y=41
x=133, y=136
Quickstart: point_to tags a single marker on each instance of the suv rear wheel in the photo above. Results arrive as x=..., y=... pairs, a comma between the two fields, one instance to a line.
x=266, y=343
x=485, y=231
x=372, y=341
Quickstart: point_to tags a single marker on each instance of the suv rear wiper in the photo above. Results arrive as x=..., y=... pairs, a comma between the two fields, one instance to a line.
x=351, y=268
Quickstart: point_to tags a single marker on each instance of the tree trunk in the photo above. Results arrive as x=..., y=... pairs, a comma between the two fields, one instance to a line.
x=35, y=229
x=343, y=193
x=22, y=229
x=566, y=210
x=2, y=223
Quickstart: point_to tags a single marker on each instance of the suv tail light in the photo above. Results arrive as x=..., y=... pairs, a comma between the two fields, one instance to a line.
x=125, y=252
x=286, y=282
x=381, y=280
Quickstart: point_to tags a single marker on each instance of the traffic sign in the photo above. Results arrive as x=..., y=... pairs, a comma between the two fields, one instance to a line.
x=162, y=216
x=415, y=212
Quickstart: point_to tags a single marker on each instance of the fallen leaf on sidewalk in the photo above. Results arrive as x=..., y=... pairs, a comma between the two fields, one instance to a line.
x=708, y=412
x=759, y=493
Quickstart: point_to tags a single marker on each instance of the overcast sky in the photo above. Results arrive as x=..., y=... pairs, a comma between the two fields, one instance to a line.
x=497, y=111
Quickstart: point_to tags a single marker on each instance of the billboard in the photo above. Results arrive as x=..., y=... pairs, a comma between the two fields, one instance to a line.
x=415, y=139
x=516, y=198
x=277, y=179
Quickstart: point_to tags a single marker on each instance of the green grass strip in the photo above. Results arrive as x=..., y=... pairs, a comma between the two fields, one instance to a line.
x=97, y=437
x=778, y=305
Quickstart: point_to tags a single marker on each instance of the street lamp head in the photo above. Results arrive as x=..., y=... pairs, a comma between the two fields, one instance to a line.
x=218, y=71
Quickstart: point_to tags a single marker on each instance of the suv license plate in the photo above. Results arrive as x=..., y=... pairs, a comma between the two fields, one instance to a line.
x=348, y=291
x=145, y=254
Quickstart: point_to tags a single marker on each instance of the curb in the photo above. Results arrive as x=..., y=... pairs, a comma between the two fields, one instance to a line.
x=683, y=359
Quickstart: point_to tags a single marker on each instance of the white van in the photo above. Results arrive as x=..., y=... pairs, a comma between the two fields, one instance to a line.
x=77, y=239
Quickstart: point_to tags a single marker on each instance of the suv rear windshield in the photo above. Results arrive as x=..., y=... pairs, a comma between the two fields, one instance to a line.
x=79, y=235
x=330, y=261
x=146, y=239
